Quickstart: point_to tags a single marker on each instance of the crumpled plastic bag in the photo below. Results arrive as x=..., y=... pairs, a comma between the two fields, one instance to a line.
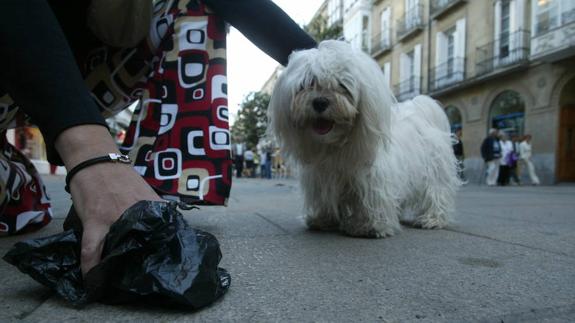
x=150, y=254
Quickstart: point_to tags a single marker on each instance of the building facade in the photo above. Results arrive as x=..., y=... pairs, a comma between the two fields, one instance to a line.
x=506, y=64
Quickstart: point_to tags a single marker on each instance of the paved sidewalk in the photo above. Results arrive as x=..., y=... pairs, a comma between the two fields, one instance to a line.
x=509, y=258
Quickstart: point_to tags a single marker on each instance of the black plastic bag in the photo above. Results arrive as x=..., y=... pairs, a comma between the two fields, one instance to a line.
x=150, y=254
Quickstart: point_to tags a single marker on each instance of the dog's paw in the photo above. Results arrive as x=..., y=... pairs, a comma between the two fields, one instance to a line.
x=369, y=234
x=374, y=234
x=429, y=223
x=320, y=224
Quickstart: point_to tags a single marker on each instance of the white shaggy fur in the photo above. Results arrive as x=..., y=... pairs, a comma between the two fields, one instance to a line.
x=365, y=161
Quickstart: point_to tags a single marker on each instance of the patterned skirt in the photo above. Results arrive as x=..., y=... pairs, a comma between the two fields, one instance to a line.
x=178, y=138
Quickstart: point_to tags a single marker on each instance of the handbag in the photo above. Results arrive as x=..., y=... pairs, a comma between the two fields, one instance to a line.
x=512, y=159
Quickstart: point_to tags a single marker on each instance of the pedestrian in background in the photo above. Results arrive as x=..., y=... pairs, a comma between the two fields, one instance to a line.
x=256, y=165
x=525, y=153
x=491, y=153
x=504, y=160
x=238, y=152
x=269, y=164
x=249, y=159
x=265, y=163
x=514, y=160
x=459, y=154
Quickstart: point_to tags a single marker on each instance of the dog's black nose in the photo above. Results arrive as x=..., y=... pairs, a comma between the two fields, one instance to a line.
x=320, y=104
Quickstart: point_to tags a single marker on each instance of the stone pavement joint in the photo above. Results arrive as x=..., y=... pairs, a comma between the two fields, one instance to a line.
x=557, y=313
x=508, y=242
x=44, y=297
x=272, y=223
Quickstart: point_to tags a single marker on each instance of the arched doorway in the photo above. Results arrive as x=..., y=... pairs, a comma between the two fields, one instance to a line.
x=454, y=117
x=566, y=142
x=507, y=113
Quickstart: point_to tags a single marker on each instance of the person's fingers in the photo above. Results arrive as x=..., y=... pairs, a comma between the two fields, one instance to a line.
x=92, y=246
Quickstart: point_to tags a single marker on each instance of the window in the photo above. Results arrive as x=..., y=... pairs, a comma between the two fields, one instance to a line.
x=550, y=14
x=385, y=27
x=387, y=72
x=334, y=12
x=507, y=113
x=442, y=3
x=410, y=73
x=411, y=13
x=454, y=117
x=505, y=29
x=449, y=56
x=568, y=11
x=546, y=16
x=352, y=31
x=450, y=36
x=510, y=37
x=411, y=4
x=411, y=63
x=348, y=4
x=365, y=33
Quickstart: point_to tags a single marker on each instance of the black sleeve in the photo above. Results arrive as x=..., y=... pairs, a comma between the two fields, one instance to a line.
x=38, y=70
x=265, y=25
x=485, y=152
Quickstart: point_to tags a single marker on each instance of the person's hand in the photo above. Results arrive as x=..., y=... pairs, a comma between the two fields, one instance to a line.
x=101, y=192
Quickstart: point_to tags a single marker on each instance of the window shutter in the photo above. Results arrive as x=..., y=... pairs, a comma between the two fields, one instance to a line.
x=440, y=48
x=387, y=73
x=512, y=16
x=567, y=6
x=460, y=35
x=385, y=27
x=518, y=40
x=404, y=74
x=440, y=57
x=497, y=28
x=520, y=13
x=403, y=67
x=417, y=68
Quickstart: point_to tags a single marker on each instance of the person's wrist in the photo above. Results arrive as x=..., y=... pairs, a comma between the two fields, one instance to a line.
x=81, y=143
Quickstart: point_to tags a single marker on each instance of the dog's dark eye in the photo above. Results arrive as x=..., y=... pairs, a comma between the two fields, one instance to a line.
x=345, y=89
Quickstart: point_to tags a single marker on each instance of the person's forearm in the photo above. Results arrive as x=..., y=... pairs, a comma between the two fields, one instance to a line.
x=39, y=71
x=80, y=143
x=265, y=25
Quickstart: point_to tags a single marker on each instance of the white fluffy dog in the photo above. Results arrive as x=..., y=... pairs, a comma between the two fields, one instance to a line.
x=364, y=160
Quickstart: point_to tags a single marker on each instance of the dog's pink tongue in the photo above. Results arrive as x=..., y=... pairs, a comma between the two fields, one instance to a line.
x=322, y=126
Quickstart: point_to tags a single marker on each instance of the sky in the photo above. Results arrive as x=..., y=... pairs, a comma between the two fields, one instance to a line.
x=248, y=67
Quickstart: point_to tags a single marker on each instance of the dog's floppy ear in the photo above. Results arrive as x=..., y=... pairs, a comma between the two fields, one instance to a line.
x=278, y=110
x=280, y=126
x=375, y=98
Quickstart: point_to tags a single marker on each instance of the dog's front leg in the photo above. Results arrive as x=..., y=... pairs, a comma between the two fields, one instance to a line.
x=369, y=218
x=322, y=220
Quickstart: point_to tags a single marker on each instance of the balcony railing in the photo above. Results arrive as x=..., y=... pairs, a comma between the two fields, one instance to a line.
x=408, y=89
x=447, y=74
x=553, y=37
x=381, y=43
x=438, y=7
x=551, y=21
x=411, y=21
x=509, y=49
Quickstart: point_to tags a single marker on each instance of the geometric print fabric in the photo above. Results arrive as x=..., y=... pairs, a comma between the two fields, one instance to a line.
x=178, y=138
